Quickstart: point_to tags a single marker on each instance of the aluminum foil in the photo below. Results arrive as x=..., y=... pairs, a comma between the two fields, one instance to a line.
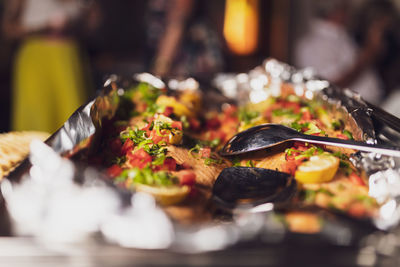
x=266, y=80
x=88, y=204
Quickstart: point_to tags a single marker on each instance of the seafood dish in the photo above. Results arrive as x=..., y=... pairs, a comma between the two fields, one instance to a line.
x=166, y=143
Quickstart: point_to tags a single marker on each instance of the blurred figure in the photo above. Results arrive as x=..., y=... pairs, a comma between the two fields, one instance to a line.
x=48, y=78
x=181, y=40
x=330, y=50
x=388, y=63
x=370, y=14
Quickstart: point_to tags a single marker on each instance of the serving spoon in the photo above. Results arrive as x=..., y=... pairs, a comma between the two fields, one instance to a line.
x=269, y=135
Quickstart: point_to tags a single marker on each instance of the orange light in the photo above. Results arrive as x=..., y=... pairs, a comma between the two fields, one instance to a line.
x=241, y=26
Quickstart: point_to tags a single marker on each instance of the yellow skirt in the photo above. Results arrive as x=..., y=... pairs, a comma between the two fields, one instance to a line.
x=48, y=84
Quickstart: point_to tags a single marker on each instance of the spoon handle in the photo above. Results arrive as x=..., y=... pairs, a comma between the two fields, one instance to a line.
x=379, y=149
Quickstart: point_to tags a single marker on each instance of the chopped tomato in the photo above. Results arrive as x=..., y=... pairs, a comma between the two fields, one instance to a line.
x=292, y=155
x=290, y=166
x=342, y=136
x=355, y=179
x=194, y=124
x=139, y=159
x=114, y=170
x=230, y=111
x=230, y=120
x=292, y=105
x=147, y=127
x=169, y=164
x=205, y=152
x=141, y=153
x=127, y=147
x=300, y=146
x=168, y=111
x=213, y=123
x=186, y=177
x=177, y=125
x=306, y=115
x=156, y=138
x=357, y=209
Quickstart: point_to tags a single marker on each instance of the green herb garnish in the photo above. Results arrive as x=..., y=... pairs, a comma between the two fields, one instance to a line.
x=119, y=160
x=209, y=161
x=247, y=116
x=235, y=162
x=336, y=124
x=250, y=163
x=137, y=136
x=348, y=134
x=148, y=177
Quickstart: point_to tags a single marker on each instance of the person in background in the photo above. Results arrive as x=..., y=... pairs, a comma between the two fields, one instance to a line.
x=330, y=50
x=48, y=76
x=388, y=63
x=181, y=40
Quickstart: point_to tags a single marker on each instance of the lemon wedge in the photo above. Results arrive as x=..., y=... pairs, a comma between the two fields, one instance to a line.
x=165, y=195
x=319, y=169
x=179, y=108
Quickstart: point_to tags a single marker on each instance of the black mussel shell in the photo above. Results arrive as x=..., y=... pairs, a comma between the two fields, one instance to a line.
x=249, y=187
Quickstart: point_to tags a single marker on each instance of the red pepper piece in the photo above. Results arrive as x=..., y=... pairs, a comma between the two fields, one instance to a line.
x=114, y=171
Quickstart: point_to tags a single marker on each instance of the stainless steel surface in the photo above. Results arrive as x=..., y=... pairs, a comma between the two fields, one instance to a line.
x=269, y=135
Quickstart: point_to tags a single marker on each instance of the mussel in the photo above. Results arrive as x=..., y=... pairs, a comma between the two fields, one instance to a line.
x=246, y=187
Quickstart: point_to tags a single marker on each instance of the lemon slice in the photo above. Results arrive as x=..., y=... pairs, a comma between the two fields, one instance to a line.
x=165, y=195
x=319, y=169
x=179, y=108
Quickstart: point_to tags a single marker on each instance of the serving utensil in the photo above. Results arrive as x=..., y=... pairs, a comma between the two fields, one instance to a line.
x=269, y=135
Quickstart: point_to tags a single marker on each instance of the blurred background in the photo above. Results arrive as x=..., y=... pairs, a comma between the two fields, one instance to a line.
x=55, y=54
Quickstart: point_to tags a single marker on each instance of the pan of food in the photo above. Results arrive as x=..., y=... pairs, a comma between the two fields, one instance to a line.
x=277, y=147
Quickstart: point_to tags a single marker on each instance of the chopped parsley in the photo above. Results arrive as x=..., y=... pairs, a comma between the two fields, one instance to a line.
x=283, y=112
x=299, y=126
x=348, y=134
x=336, y=124
x=209, y=161
x=250, y=163
x=340, y=155
x=312, y=129
x=119, y=160
x=149, y=94
x=204, y=143
x=235, y=162
x=195, y=149
x=152, y=109
x=309, y=195
x=148, y=177
x=247, y=115
x=137, y=136
x=307, y=153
